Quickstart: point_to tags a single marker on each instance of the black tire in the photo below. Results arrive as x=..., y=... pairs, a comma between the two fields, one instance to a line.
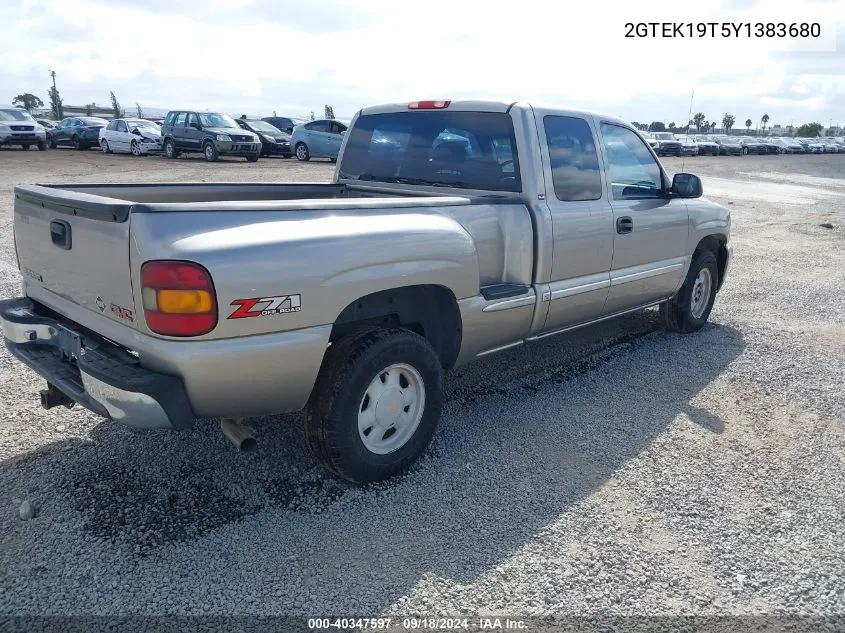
x=745, y=151
x=42, y=146
x=26, y=147
x=331, y=416
x=334, y=160
x=77, y=144
x=253, y=158
x=52, y=142
x=170, y=149
x=209, y=150
x=677, y=313
x=104, y=145
x=301, y=152
x=135, y=148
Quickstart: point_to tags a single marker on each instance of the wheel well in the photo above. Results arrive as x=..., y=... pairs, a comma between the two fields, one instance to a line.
x=430, y=311
x=716, y=244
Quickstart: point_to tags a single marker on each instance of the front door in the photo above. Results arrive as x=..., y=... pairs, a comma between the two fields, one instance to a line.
x=582, y=219
x=193, y=134
x=650, y=228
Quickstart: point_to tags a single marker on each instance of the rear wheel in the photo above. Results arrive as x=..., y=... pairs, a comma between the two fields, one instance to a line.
x=689, y=310
x=375, y=405
x=302, y=152
x=210, y=152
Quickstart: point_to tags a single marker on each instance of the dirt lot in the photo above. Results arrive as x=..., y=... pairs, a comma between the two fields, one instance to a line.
x=618, y=470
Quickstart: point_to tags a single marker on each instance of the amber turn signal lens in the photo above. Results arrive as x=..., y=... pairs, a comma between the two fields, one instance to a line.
x=184, y=301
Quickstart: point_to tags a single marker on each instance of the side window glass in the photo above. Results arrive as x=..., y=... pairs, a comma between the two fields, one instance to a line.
x=111, y=125
x=121, y=126
x=193, y=119
x=634, y=173
x=574, y=158
x=171, y=116
x=181, y=119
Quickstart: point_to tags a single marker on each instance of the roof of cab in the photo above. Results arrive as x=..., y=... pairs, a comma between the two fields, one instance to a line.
x=482, y=105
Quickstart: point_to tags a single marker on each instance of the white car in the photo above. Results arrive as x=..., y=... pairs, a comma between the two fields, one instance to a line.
x=133, y=136
x=17, y=127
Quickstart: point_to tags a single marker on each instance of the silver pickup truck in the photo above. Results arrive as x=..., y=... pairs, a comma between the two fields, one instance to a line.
x=451, y=230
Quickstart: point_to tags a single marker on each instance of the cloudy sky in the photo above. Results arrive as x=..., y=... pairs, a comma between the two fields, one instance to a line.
x=294, y=56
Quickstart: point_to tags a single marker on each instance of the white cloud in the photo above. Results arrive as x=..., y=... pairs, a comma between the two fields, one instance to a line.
x=259, y=56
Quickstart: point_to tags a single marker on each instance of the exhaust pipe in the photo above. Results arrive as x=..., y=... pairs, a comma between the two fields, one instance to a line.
x=240, y=435
x=52, y=397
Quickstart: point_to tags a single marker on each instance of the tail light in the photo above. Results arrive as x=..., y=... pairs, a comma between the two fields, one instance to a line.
x=428, y=105
x=178, y=298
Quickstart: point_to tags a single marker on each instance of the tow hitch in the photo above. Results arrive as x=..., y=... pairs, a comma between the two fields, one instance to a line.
x=52, y=397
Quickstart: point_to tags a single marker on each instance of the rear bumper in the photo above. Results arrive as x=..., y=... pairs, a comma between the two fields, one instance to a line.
x=92, y=371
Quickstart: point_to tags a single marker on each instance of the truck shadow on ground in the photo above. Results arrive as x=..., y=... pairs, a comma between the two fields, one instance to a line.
x=524, y=436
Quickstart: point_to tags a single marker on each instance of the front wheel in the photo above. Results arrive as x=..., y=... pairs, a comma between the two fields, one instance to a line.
x=26, y=146
x=210, y=152
x=745, y=151
x=52, y=143
x=42, y=146
x=302, y=152
x=253, y=158
x=689, y=310
x=135, y=148
x=104, y=145
x=375, y=405
x=170, y=149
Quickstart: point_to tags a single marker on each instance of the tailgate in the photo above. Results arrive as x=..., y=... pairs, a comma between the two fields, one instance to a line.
x=74, y=246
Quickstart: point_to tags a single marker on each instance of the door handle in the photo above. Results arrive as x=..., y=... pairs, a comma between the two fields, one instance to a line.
x=624, y=225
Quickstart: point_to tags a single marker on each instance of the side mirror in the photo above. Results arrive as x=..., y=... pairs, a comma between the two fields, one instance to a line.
x=687, y=186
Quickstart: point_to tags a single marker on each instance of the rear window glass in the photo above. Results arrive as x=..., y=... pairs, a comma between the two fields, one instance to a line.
x=468, y=150
x=574, y=158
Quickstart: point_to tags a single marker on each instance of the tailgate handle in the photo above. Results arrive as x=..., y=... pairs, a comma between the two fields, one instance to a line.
x=60, y=234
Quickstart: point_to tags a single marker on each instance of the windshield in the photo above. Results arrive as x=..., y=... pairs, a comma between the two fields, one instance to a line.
x=468, y=150
x=213, y=119
x=15, y=114
x=664, y=136
x=263, y=126
x=141, y=123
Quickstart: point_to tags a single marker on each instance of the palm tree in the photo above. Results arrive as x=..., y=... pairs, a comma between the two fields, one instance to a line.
x=698, y=120
x=713, y=127
x=728, y=122
x=765, y=120
x=748, y=124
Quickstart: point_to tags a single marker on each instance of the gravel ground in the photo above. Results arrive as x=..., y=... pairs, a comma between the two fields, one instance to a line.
x=617, y=470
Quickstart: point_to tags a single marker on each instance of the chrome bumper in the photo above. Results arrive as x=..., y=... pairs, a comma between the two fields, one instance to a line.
x=92, y=371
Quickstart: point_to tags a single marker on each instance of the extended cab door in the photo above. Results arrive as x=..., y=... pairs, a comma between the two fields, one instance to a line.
x=582, y=219
x=650, y=228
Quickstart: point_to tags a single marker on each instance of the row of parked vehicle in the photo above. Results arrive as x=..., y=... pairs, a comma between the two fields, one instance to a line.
x=213, y=134
x=669, y=144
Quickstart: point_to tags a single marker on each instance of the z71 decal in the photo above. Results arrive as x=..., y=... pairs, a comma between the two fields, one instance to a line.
x=265, y=306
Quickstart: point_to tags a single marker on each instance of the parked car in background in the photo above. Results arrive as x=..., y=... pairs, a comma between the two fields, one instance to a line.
x=284, y=123
x=17, y=127
x=78, y=132
x=688, y=145
x=729, y=146
x=211, y=133
x=706, y=145
x=667, y=144
x=830, y=146
x=770, y=146
x=134, y=136
x=47, y=124
x=788, y=146
x=274, y=142
x=318, y=139
x=652, y=142
x=811, y=145
x=751, y=145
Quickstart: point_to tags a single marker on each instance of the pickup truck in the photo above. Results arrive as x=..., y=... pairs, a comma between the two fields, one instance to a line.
x=451, y=230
